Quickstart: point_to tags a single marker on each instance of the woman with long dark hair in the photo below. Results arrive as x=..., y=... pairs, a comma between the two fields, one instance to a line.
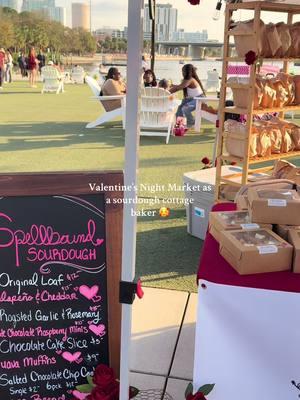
x=33, y=66
x=149, y=79
x=192, y=87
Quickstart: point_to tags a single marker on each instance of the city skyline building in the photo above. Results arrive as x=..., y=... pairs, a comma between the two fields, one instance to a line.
x=107, y=32
x=193, y=37
x=48, y=8
x=36, y=5
x=10, y=3
x=165, y=22
x=58, y=14
x=81, y=16
x=179, y=36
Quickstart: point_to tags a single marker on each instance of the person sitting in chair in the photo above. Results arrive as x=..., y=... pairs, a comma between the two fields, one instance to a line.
x=192, y=87
x=149, y=79
x=112, y=86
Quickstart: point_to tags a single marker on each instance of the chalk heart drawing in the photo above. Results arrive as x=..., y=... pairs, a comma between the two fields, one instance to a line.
x=78, y=395
x=71, y=357
x=96, y=299
x=89, y=292
x=99, y=242
x=98, y=330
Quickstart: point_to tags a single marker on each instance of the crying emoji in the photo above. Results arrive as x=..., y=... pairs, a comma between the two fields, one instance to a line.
x=164, y=212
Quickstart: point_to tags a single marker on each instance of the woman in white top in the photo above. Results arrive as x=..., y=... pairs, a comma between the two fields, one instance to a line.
x=192, y=87
x=9, y=66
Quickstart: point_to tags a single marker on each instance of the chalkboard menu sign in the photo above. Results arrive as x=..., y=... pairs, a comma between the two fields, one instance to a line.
x=60, y=256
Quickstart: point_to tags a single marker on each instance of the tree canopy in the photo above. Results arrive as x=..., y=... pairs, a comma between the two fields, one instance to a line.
x=22, y=30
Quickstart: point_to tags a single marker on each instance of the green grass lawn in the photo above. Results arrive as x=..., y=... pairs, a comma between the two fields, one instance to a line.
x=47, y=133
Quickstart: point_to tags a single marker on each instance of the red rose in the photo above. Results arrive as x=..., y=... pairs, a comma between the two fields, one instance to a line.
x=112, y=389
x=196, y=396
x=194, y=2
x=111, y=392
x=250, y=57
x=98, y=394
x=205, y=160
x=103, y=376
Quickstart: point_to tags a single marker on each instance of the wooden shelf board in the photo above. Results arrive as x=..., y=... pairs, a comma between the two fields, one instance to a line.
x=259, y=160
x=231, y=158
x=235, y=110
x=265, y=6
x=274, y=157
x=239, y=110
x=253, y=175
x=231, y=182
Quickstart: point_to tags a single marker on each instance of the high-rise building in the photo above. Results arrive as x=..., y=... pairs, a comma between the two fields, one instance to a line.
x=36, y=5
x=165, y=22
x=193, y=37
x=47, y=8
x=106, y=32
x=9, y=3
x=58, y=14
x=81, y=17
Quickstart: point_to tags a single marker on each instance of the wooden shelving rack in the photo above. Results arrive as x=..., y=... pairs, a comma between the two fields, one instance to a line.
x=257, y=7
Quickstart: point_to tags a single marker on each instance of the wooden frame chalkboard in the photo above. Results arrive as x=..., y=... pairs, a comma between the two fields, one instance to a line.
x=77, y=184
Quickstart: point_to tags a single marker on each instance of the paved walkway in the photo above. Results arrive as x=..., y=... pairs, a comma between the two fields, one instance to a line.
x=163, y=336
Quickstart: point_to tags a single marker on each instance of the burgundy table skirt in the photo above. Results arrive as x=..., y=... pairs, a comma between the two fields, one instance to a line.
x=214, y=268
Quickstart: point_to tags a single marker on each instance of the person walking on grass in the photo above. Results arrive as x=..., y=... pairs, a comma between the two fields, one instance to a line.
x=9, y=66
x=33, y=66
x=42, y=60
x=22, y=64
x=2, y=67
x=192, y=87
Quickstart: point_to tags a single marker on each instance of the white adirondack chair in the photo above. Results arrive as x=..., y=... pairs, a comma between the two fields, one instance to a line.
x=158, y=111
x=52, y=80
x=78, y=75
x=212, y=82
x=105, y=115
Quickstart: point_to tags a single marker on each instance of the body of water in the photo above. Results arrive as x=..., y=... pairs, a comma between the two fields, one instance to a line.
x=172, y=69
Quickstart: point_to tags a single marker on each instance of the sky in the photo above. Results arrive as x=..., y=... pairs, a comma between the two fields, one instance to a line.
x=113, y=13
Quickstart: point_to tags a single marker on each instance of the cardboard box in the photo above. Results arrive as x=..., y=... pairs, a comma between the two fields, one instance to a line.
x=274, y=206
x=283, y=230
x=242, y=203
x=231, y=220
x=253, y=252
x=294, y=239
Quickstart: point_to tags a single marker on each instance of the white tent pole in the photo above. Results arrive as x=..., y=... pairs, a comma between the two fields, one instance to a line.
x=132, y=139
